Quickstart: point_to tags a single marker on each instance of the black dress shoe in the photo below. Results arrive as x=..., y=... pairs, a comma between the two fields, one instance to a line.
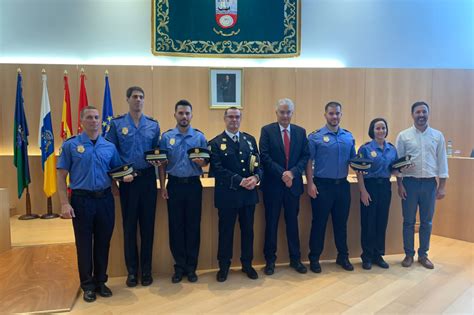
x=381, y=263
x=367, y=265
x=251, y=273
x=269, y=269
x=147, y=279
x=298, y=266
x=221, y=275
x=89, y=296
x=103, y=290
x=315, y=267
x=192, y=276
x=345, y=263
x=177, y=277
x=132, y=281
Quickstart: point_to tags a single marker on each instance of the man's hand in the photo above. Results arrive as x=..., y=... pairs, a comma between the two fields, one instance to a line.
x=128, y=178
x=199, y=161
x=365, y=198
x=249, y=182
x=312, y=190
x=158, y=163
x=67, y=212
x=440, y=193
x=164, y=193
x=401, y=191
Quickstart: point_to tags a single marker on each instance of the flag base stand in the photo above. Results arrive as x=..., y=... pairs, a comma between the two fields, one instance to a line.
x=50, y=214
x=28, y=217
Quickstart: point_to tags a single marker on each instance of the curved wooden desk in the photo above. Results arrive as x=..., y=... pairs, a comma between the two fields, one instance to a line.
x=163, y=261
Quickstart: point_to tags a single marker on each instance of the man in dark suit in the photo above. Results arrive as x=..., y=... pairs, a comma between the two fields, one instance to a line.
x=235, y=165
x=284, y=153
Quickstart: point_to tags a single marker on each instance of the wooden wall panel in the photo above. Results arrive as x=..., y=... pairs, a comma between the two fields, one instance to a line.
x=263, y=87
x=316, y=87
x=453, y=107
x=120, y=78
x=5, y=237
x=390, y=94
x=32, y=92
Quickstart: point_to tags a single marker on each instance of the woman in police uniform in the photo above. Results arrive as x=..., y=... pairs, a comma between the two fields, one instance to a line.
x=375, y=193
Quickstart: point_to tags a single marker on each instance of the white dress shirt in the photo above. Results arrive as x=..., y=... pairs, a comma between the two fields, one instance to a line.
x=231, y=135
x=427, y=150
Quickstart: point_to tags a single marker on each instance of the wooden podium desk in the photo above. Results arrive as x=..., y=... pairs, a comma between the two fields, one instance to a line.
x=163, y=260
x=454, y=215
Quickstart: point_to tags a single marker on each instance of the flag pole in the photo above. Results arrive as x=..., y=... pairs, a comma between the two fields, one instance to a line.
x=28, y=215
x=49, y=214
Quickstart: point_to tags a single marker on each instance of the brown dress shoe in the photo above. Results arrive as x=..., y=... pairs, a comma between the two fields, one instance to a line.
x=425, y=262
x=408, y=261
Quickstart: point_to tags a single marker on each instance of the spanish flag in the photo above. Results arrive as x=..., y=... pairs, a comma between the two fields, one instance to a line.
x=66, y=121
x=82, y=100
x=46, y=142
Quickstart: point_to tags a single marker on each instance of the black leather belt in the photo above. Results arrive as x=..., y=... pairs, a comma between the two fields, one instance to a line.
x=145, y=171
x=91, y=193
x=334, y=181
x=183, y=180
x=420, y=179
x=377, y=180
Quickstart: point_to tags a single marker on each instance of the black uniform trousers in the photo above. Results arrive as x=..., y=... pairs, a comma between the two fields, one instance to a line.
x=184, y=220
x=93, y=226
x=138, y=200
x=374, y=218
x=291, y=205
x=227, y=218
x=334, y=198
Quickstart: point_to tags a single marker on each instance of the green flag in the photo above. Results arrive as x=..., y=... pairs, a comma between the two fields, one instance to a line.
x=20, y=140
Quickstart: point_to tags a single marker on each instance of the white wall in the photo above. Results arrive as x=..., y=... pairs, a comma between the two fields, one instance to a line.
x=351, y=33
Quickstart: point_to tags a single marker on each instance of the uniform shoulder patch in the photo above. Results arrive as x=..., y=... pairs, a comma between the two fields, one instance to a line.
x=119, y=116
x=316, y=131
x=346, y=130
x=198, y=130
x=166, y=131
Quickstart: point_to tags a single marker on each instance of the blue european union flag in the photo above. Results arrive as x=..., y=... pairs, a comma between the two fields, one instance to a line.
x=107, y=110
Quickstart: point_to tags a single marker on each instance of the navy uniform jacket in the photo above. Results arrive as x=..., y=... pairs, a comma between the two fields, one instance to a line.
x=272, y=155
x=230, y=163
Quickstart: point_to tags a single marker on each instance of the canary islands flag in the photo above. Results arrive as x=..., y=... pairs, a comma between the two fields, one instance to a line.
x=46, y=142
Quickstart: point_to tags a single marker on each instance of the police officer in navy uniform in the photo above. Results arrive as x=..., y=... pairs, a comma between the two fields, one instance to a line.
x=183, y=191
x=87, y=158
x=133, y=134
x=235, y=166
x=375, y=194
x=331, y=148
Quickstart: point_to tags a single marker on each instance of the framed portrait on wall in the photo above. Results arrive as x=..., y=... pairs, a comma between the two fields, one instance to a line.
x=225, y=88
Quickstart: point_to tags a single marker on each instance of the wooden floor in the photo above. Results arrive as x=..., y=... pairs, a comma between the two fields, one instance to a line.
x=40, y=232
x=447, y=289
x=38, y=279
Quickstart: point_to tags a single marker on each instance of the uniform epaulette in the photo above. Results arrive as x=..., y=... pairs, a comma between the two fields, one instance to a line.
x=391, y=144
x=151, y=118
x=215, y=138
x=71, y=137
x=346, y=130
x=247, y=134
x=166, y=131
x=118, y=116
x=198, y=130
x=367, y=142
x=316, y=131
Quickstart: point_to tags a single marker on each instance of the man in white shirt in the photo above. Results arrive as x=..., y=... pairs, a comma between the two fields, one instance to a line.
x=417, y=186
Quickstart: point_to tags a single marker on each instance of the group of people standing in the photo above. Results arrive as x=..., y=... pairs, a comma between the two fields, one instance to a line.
x=284, y=153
